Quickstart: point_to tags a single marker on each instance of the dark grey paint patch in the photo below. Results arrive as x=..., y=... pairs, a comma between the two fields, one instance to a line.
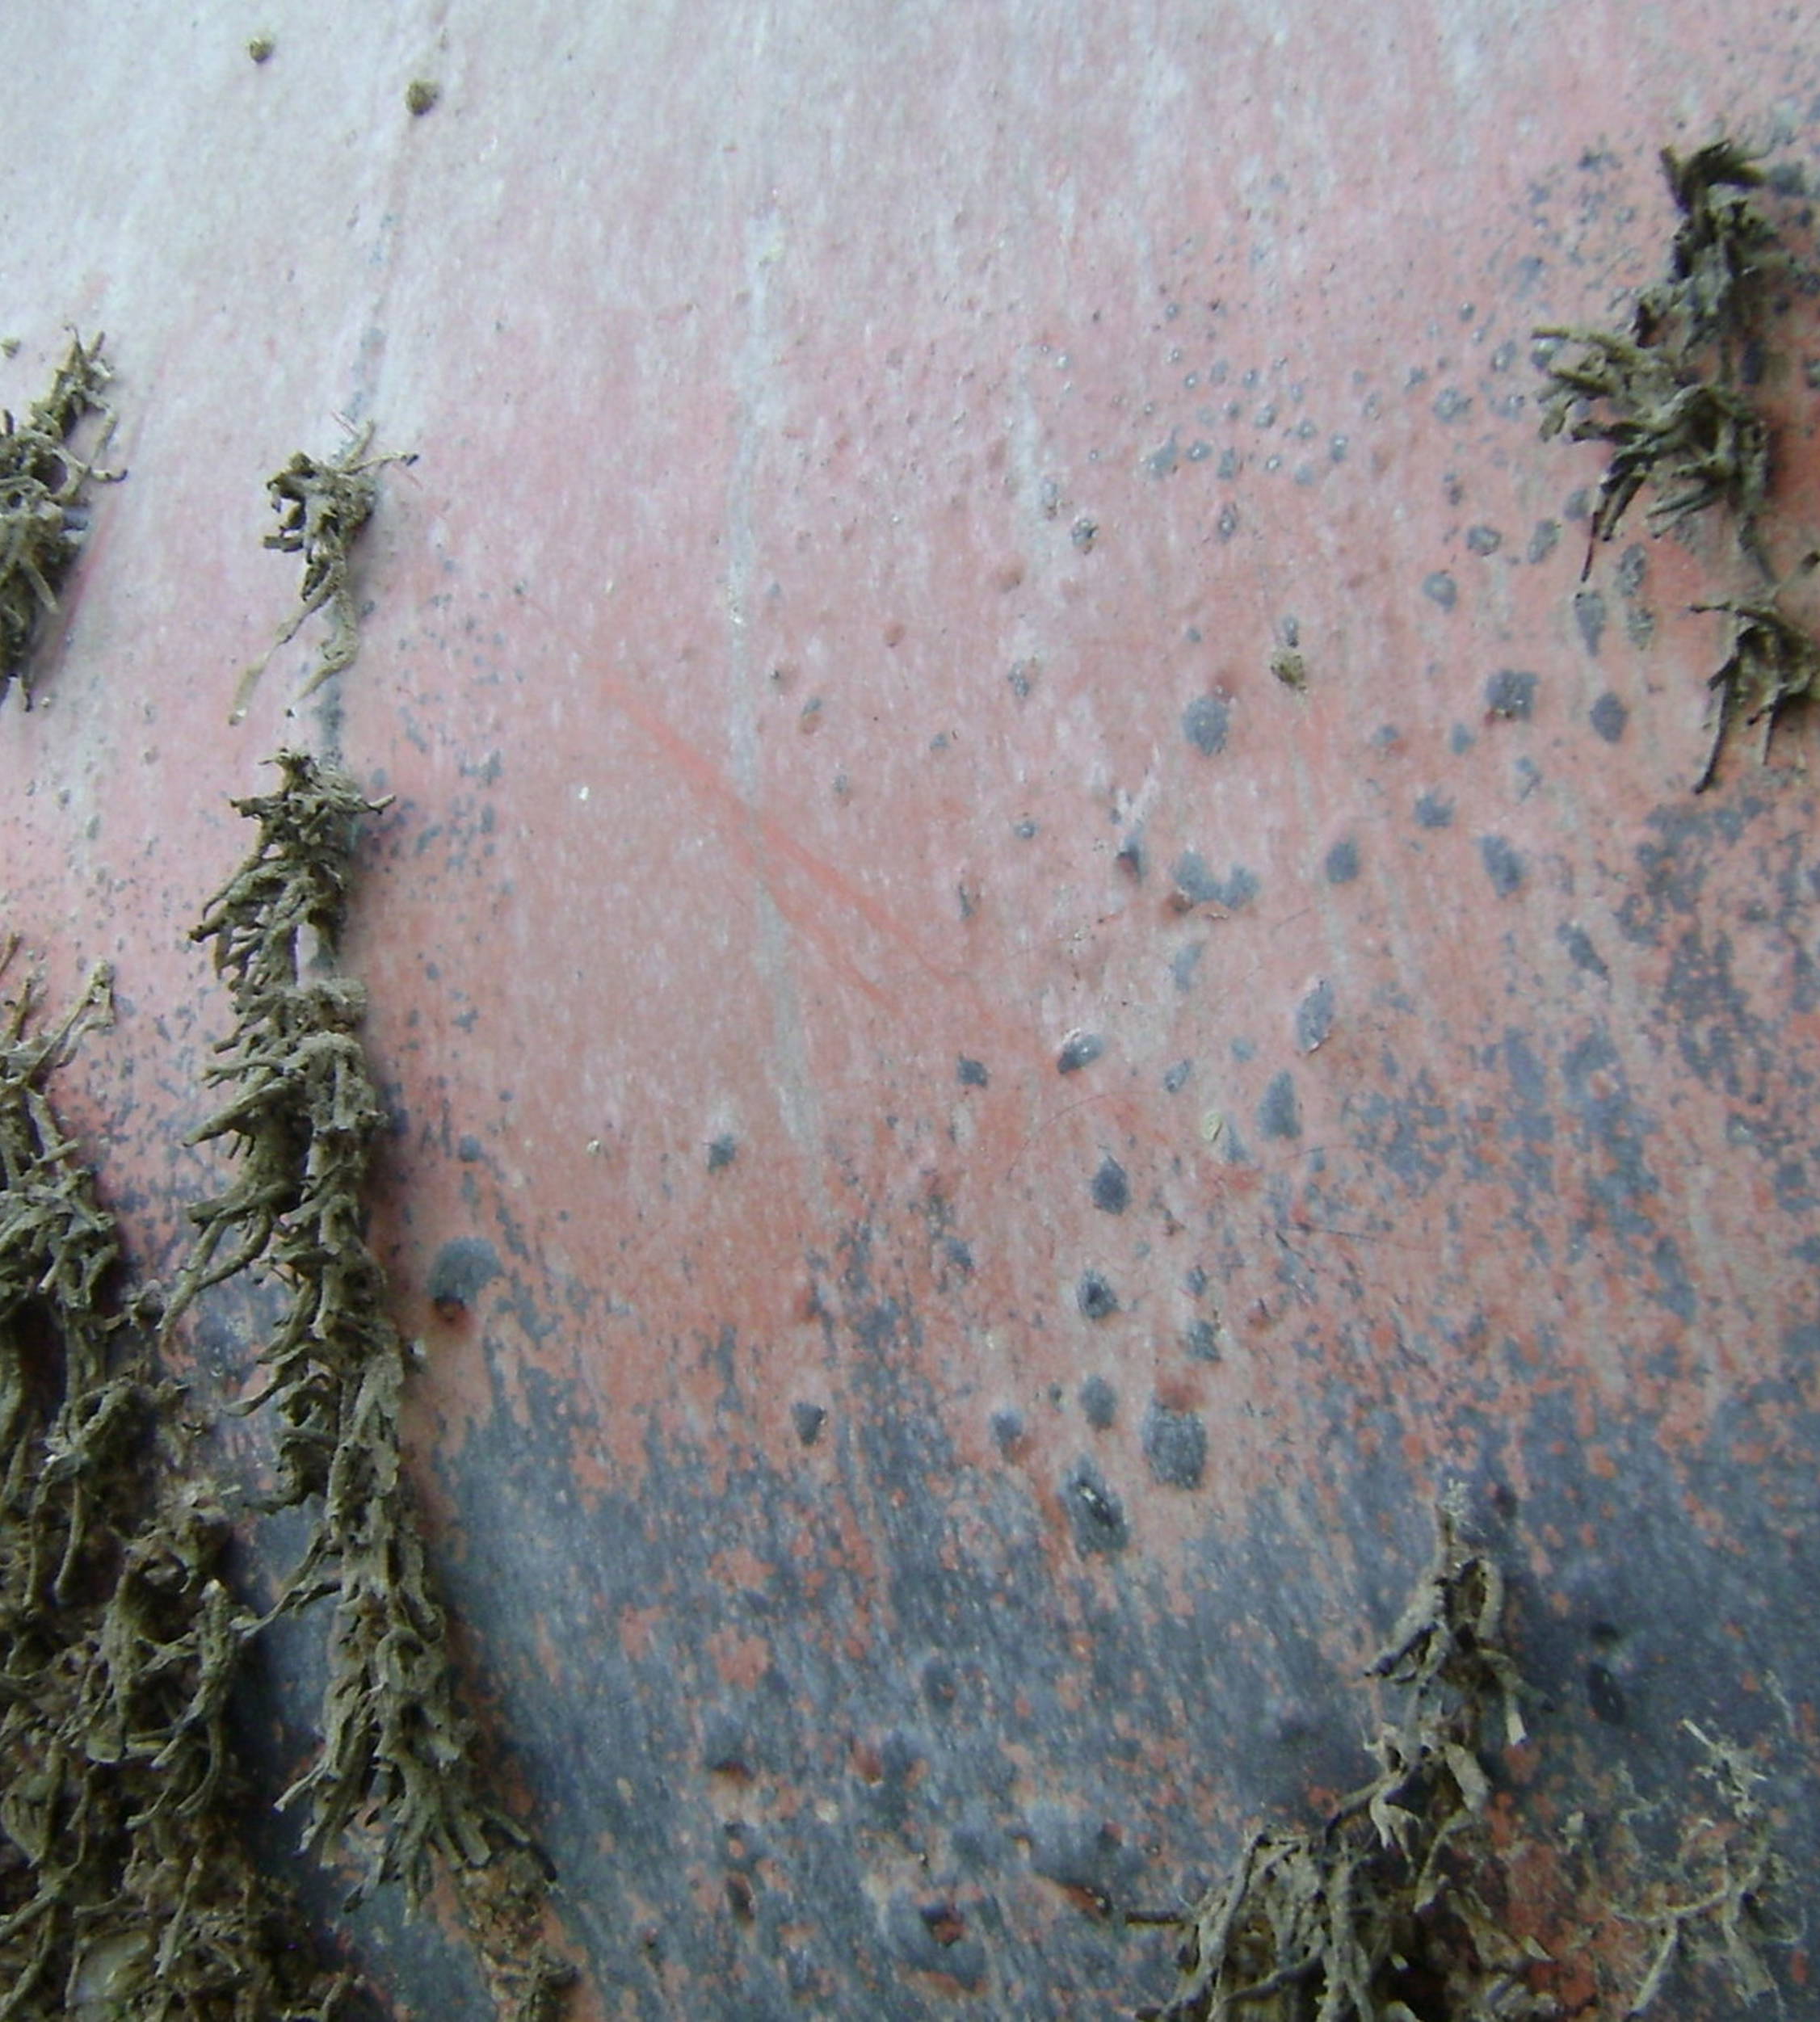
x=1007, y=1429
x=808, y=1420
x=1608, y=717
x=1201, y=1338
x=1111, y=1189
x=1581, y=952
x=1512, y=694
x=1080, y=1051
x=1435, y=811
x=1096, y=1514
x=1342, y=865
x=1095, y=1297
x=1184, y=963
x=1459, y=740
x=1589, y=615
x=971, y=1074
x=1205, y=722
x=1099, y=1402
x=461, y=1270
x=1440, y=588
x=469, y=1149
x=1315, y=1016
x=1197, y=883
x=1502, y=864
x=1176, y=1077
x=1278, y=1114
x=1176, y=1446
x=1544, y=540
x=1484, y=541
x=721, y=1152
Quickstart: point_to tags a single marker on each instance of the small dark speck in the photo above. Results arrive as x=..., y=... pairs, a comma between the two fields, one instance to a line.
x=1544, y=540
x=1099, y=1402
x=971, y=1074
x=1511, y=695
x=1589, y=615
x=1079, y=1050
x=1007, y=1429
x=1608, y=717
x=721, y=1152
x=1205, y=722
x=1175, y=1078
x=1023, y=831
x=469, y=1149
x=1176, y=1446
x=1484, y=541
x=1502, y=865
x=1096, y=1515
x=1315, y=1017
x=1227, y=525
x=1111, y=1190
x=420, y=95
x=1094, y=1296
x=1435, y=811
x=1083, y=533
x=809, y=1419
x=1440, y=588
x=1581, y=952
x=1201, y=1338
x=1605, y=1696
x=1342, y=865
x=1278, y=1114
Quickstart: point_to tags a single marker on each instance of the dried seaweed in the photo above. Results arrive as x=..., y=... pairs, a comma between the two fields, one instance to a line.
x=396, y=1762
x=125, y=1891
x=322, y=506
x=1773, y=662
x=1382, y=1913
x=44, y=486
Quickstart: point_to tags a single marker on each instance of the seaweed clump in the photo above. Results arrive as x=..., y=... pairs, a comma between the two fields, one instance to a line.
x=44, y=486
x=396, y=1761
x=125, y=1891
x=1380, y=1913
x=1668, y=395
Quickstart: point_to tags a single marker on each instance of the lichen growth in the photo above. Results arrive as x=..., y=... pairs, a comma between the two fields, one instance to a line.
x=395, y=1773
x=44, y=489
x=125, y=1890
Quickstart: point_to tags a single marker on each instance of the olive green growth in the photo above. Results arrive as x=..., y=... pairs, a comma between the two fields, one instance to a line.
x=44, y=492
x=1383, y=1912
x=125, y=1890
x=1669, y=394
x=395, y=1777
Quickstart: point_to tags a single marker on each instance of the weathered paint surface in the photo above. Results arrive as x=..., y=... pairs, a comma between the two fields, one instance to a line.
x=967, y=1159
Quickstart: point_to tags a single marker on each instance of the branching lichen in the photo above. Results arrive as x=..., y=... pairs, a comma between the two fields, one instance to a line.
x=1381, y=1913
x=42, y=488
x=397, y=1759
x=125, y=1890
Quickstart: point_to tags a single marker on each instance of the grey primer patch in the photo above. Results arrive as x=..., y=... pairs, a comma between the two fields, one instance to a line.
x=809, y=1419
x=1581, y=952
x=1434, y=811
x=1197, y=884
x=469, y=1149
x=721, y=1152
x=1484, y=541
x=971, y=1074
x=1007, y=1428
x=1315, y=1016
x=1184, y=963
x=1342, y=865
x=1459, y=740
x=1095, y=1513
x=1589, y=615
x=1201, y=1338
x=1082, y=1051
x=1111, y=1190
x=1100, y=1402
x=1511, y=695
x=1161, y=463
x=1502, y=865
x=1205, y=722
x=1176, y=1446
x=461, y=1271
x=1094, y=1296
x=1228, y=524
x=1440, y=588
x=1278, y=1114
x=1544, y=540
x=1175, y=1078
x=1608, y=717
x=1450, y=404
